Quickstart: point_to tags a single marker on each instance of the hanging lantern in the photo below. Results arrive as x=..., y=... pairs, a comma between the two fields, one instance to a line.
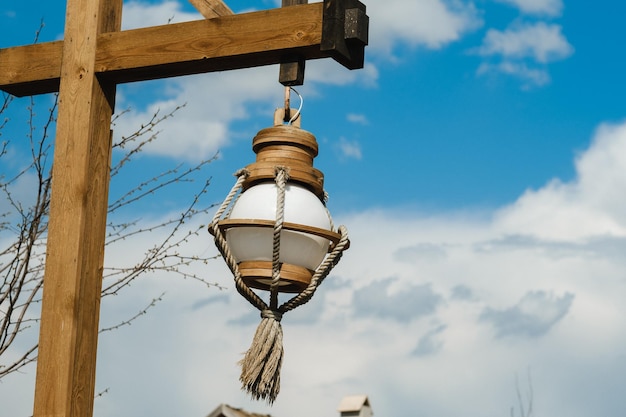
x=306, y=225
x=275, y=234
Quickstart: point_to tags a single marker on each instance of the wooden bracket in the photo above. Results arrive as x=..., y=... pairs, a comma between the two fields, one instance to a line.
x=345, y=32
x=292, y=66
x=345, y=29
x=292, y=70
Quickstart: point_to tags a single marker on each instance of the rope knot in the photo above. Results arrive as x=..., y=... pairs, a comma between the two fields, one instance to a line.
x=271, y=314
x=242, y=172
x=281, y=170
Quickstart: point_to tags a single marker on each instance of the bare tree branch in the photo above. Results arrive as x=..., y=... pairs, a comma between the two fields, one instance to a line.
x=525, y=407
x=24, y=225
x=129, y=321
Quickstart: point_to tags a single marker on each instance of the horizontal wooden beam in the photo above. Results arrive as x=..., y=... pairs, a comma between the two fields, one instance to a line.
x=32, y=69
x=224, y=43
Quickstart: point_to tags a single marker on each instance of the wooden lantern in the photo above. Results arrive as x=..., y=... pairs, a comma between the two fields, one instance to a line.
x=306, y=234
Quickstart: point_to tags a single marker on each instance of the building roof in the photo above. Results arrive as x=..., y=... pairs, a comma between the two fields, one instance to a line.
x=353, y=403
x=224, y=410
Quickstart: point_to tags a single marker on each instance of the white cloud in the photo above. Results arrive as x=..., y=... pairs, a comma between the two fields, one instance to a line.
x=349, y=148
x=533, y=316
x=422, y=308
x=590, y=205
x=403, y=306
x=21, y=192
x=531, y=77
x=541, y=7
x=138, y=14
x=357, y=118
x=429, y=343
x=213, y=103
x=539, y=41
x=429, y=23
x=523, y=51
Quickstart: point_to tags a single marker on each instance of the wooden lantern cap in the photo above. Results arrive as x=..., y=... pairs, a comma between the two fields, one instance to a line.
x=289, y=146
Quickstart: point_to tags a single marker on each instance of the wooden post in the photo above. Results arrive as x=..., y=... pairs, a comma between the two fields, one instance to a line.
x=66, y=367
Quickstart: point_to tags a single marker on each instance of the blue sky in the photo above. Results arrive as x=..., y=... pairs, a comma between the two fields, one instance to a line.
x=478, y=162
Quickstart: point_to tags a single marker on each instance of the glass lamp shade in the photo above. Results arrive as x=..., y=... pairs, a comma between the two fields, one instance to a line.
x=302, y=246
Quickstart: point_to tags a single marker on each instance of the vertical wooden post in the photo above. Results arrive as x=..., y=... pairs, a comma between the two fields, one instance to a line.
x=73, y=276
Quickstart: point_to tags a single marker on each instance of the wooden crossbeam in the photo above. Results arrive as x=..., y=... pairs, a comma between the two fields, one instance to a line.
x=32, y=69
x=223, y=43
x=211, y=8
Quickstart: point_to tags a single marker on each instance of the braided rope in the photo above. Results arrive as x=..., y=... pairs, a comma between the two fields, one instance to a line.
x=281, y=181
x=320, y=274
x=260, y=366
x=241, y=175
x=222, y=245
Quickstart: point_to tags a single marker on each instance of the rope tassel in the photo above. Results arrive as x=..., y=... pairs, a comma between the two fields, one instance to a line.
x=260, y=367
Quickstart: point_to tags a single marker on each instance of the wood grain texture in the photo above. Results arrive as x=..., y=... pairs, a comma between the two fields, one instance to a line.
x=224, y=43
x=31, y=69
x=286, y=3
x=291, y=71
x=211, y=8
x=75, y=249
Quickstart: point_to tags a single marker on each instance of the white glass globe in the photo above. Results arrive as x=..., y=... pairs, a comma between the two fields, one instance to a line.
x=296, y=248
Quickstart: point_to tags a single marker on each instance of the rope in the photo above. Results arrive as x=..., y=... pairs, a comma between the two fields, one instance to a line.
x=281, y=181
x=320, y=274
x=220, y=242
x=241, y=175
x=260, y=366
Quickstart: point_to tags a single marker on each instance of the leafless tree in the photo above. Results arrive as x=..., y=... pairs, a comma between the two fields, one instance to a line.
x=525, y=405
x=24, y=224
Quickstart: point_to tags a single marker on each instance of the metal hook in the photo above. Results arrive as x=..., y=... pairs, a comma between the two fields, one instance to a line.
x=287, y=115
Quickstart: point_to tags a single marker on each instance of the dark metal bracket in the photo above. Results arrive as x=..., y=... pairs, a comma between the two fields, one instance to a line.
x=345, y=32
